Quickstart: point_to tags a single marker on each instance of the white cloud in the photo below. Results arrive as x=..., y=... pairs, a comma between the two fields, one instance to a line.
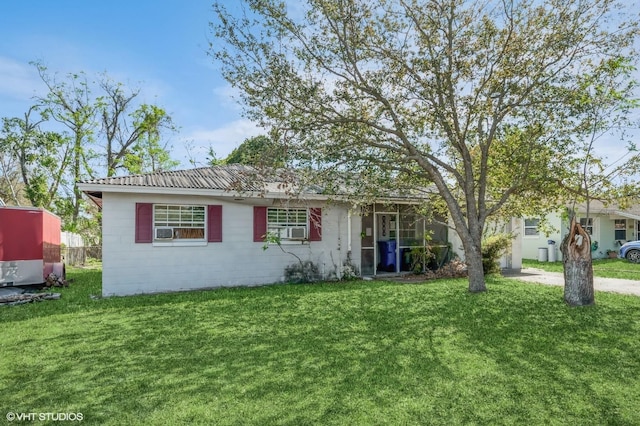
x=18, y=80
x=229, y=96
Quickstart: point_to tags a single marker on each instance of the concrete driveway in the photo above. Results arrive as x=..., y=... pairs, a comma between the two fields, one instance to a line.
x=614, y=285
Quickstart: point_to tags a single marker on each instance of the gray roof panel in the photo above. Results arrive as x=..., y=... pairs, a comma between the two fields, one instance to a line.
x=231, y=177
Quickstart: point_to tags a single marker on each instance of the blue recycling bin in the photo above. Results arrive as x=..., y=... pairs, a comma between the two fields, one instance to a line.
x=387, y=251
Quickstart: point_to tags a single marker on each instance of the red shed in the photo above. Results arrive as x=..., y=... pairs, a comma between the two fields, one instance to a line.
x=29, y=245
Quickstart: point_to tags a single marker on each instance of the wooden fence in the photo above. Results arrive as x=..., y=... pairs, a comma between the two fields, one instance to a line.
x=77, y=256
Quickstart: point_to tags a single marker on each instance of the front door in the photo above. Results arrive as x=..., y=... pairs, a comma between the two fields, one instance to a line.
x=379, y=252
x=368, y=250
x=386, y=242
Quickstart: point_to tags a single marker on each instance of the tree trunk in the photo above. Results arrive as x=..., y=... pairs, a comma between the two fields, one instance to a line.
x=473, y=257
x=578, y=268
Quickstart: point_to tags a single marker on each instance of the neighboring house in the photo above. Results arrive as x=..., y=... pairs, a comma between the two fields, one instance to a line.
x=609, y=227
x=205, y=227
x=510, y=261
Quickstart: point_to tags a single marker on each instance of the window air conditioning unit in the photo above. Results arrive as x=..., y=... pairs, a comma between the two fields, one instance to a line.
x=298, y=233
x=164, y=233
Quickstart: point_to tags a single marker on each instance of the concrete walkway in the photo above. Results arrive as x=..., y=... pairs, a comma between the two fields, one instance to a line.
x=614, y=285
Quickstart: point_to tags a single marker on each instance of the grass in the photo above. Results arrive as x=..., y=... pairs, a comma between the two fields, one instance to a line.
x=335, y=353
x=604, y=268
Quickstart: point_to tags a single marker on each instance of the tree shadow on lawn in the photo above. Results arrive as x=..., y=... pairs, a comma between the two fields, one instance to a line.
x=83, y=296
x=300, y=355
x=355, y=353
x=577, y=360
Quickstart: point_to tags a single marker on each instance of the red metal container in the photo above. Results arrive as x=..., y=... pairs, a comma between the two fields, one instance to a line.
x=29, y=246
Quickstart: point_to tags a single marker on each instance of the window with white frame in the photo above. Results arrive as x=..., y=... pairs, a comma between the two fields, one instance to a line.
x=288, y=224
x=620, y=229
x=587, y=224
x=178, y=222
x=531, y=227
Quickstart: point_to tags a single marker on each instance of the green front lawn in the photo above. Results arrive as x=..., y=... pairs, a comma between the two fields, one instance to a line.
x=357, y=353
x=605, y=268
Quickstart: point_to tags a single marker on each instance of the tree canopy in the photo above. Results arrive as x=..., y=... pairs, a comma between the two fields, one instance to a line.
x=32, y=161
x=79, y=126
x=259, y=151
x=483, y=100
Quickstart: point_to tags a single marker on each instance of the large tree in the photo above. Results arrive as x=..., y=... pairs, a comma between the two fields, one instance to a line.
x=260, y=151
x=132, y=133
x=70, y=103
x=476, y=98
x=38, y=157
x=108, y=130
x=607, y=175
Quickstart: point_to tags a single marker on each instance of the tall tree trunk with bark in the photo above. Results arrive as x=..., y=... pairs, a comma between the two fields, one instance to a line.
x=473, y=256
x=578, y=266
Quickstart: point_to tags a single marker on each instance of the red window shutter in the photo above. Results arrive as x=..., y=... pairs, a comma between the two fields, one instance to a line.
x=315, y=224
x=144, y=222
x=259, y=223
x=214, y=224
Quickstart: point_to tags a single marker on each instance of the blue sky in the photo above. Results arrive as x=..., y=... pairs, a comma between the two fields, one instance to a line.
x=158, y=46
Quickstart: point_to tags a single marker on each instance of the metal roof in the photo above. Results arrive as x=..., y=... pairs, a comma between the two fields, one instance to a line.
x=232, y=177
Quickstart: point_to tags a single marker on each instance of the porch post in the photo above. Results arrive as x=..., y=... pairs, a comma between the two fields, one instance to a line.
x=349, y=230
x=398, y=239
x=375, y=241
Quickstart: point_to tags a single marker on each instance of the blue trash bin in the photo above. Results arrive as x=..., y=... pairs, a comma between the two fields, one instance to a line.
x=387, y=251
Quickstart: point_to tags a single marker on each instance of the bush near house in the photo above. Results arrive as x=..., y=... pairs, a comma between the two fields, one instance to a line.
x=364, y=352
x=493, y=247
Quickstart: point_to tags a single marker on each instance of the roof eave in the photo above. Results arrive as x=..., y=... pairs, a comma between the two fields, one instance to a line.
x=91, y=189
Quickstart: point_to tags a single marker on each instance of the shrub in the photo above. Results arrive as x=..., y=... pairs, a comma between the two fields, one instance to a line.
x=350, y=270
x=421, y=257
x=492, y=248
x=441, y=254
x=302, y=272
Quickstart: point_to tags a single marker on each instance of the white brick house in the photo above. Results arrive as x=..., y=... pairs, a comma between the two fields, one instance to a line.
x=205, y=227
